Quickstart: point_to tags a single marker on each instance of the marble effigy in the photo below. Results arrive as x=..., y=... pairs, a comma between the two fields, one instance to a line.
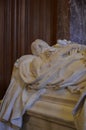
x=46, y=75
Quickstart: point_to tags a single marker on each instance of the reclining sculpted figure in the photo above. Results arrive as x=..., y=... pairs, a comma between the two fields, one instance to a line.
x=49, y=67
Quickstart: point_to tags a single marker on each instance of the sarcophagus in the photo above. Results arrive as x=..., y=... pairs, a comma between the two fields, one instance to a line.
x=52, y=112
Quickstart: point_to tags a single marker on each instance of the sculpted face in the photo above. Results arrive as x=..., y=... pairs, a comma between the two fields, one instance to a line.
x=39, y=46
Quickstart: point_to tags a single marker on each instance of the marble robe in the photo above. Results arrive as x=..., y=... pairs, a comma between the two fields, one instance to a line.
x=57, y=67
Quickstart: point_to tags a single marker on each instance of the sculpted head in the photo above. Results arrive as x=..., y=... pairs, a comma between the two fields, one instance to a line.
x=39, y=46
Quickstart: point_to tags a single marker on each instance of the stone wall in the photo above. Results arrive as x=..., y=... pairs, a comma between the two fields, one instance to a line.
x=78, y=21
